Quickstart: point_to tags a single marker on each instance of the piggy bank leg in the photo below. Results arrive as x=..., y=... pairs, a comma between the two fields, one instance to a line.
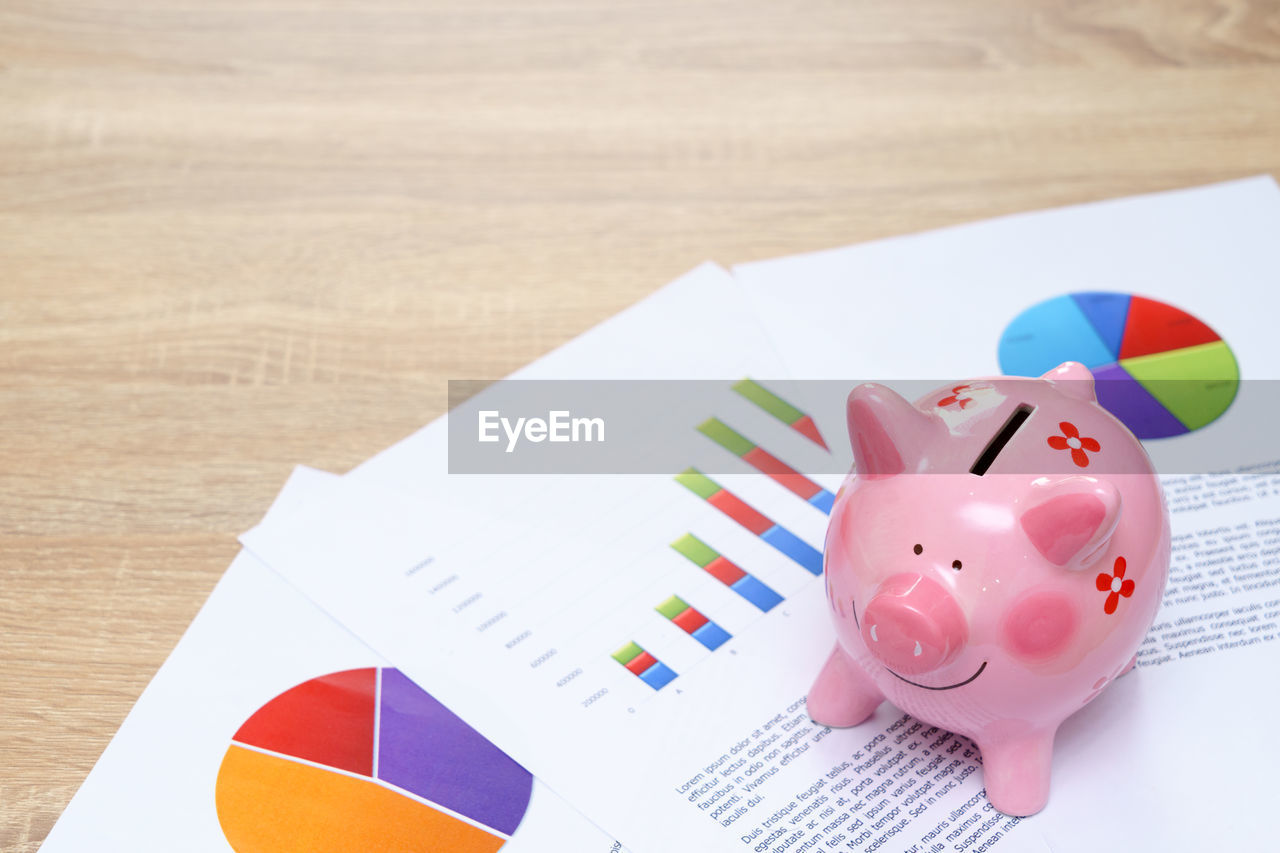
x=843, y=695
x=1015, y=768
x=1129, y=666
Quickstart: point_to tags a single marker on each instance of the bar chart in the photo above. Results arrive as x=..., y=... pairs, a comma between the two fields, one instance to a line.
x=780, y=539
x=693, y=623
x=645, y=666
x=780, y=409
x=775, y=535
x=728, y=573
x=767, y=464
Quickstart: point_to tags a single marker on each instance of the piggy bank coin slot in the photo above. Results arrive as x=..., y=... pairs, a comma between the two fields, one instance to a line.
x=1003, y=437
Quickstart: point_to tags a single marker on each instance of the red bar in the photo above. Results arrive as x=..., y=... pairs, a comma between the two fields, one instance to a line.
x=724, y=571
x=730, y=505
x=641, y=662
x=767, y=463
x=806, y=427
x=690, y=620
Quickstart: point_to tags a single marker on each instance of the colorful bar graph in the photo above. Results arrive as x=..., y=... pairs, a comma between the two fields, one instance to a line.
x=693, y=623
x=649, y=669
x=776, y=535
x=709, y=560
x=766, y=463
x=780, y=409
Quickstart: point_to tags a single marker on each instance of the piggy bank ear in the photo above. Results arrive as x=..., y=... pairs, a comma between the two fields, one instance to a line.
x=1071, y=520
x=888, y=434
x=1073, y=379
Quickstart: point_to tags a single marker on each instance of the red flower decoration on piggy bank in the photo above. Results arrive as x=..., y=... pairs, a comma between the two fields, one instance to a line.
x=1079, y=445
x=1115, y=584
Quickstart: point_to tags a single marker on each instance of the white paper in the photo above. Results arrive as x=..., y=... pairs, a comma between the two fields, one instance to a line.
x=515, y=592
x=1145, y=766
x=153, y=788
x=926, y=313
x=933, y=306
x=256, y=636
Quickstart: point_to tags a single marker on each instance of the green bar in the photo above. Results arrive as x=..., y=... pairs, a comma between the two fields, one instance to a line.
x=731, y=441
x=769, y=401
x=698, y=483
x=627, y=653
x=672, y=607
x=696, y=550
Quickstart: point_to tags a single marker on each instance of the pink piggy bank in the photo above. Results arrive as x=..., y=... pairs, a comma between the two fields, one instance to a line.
x=993, y=562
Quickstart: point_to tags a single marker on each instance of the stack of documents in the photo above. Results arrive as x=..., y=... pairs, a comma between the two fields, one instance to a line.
x=404, y=658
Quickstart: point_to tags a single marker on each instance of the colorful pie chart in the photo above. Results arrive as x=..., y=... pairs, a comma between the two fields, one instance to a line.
x=364, y=760
x=1160, y=370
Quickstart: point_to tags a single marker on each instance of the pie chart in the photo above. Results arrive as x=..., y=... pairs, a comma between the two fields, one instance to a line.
x=1160, y=370
x=364, y=760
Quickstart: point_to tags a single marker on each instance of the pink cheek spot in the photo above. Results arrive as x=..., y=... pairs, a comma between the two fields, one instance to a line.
x=1040, y=626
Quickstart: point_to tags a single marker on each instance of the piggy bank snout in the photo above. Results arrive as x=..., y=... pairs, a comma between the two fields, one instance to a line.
x=914, y=625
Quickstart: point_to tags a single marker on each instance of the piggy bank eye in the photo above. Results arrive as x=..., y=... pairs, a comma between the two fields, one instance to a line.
x=919, y=549
x=955, y=564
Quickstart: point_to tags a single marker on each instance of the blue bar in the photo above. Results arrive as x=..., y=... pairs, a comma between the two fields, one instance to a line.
x=757, y=593
x=794, y=547
x=823, y=500
x=712, y=636
x=657, y=676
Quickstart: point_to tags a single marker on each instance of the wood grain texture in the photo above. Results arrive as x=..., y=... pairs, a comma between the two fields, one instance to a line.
x=241, y=235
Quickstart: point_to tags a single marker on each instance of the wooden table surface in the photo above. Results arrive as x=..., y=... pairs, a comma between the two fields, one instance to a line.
x=238, y=235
